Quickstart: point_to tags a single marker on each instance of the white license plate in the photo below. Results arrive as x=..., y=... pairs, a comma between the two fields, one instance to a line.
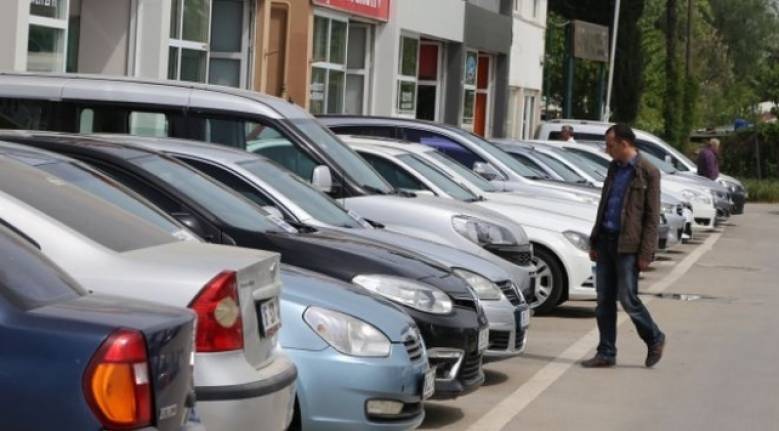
x=271, y=317
x=524, y=318
x=428, y=386
x=484, y=339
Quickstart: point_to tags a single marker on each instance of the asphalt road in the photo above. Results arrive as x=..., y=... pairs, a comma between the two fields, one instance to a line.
x=720, y=370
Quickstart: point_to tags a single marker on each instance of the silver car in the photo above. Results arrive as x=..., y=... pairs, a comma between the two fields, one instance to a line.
x=242, y=379
x=283, y=193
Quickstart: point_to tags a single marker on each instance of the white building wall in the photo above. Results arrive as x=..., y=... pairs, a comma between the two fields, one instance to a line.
x=103, y=43
x=149, y=58
x=13, y=33
x=439, y=19
x=526, y=74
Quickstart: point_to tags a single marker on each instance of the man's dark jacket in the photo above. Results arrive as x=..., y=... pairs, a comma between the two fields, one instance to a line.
x=640, y=215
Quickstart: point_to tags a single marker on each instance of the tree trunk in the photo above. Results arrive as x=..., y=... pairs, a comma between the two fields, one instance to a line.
x=671, y=111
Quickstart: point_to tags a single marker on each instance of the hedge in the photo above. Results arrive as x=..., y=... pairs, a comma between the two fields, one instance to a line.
x=739, y=157
x=762, y=190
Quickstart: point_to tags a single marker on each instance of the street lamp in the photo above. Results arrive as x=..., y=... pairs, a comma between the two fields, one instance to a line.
x=607, y=111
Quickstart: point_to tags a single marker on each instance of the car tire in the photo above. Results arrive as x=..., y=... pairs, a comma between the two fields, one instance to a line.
x=550, y=280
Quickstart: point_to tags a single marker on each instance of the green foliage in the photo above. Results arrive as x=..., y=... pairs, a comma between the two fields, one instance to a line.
x=762, y=190
x=739, y=152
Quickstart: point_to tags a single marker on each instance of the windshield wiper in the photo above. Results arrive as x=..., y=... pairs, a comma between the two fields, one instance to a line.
x=374, y=190
x=302, y=227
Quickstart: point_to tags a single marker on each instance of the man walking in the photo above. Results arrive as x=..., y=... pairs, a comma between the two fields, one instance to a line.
x=623, y=243
x=708, y=164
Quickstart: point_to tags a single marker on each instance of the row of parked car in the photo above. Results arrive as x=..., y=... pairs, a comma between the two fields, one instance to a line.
x=154, y=234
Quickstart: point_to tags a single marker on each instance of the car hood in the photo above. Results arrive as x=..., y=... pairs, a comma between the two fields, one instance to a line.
x=699, y=181
x=552, y=190
x=306, y=288
x=582, y=210
x=541, y=219
x=449, y=256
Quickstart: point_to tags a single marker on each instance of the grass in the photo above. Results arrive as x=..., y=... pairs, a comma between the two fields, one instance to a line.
x=762, y=190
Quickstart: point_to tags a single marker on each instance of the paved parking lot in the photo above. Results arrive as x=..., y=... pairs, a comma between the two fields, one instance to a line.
x=719, y=373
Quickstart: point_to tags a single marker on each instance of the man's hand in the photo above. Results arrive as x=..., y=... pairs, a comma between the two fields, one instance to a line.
x=643, y=264
x=593, y=255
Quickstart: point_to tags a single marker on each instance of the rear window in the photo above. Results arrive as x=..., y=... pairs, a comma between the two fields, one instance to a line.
x=81, y=211
x=27, y=279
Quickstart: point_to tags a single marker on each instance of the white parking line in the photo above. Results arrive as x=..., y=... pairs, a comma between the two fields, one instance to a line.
x=511, y=406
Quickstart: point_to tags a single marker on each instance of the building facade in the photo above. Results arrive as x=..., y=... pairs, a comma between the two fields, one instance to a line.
x=476, y=64
x=526, y=76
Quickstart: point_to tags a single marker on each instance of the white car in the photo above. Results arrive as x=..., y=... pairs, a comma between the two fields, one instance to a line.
x=242, y=378
x=560, y=241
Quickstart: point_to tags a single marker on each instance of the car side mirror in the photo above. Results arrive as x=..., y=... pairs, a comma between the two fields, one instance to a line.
x=322, y=179
x=190, y=221
x=668, y=158
x=486, y=170
x=270, y=209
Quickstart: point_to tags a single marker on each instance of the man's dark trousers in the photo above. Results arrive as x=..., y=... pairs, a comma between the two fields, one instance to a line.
x=617, y=279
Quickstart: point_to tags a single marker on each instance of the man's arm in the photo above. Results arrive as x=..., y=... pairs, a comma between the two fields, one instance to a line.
x=651, y=219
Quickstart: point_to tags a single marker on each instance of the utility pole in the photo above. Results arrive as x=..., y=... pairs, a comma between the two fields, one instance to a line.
x=607, y=111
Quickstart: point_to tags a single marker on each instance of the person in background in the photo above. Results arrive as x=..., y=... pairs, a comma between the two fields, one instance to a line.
x=566, y=134
x=708, y=162
x=622, y=244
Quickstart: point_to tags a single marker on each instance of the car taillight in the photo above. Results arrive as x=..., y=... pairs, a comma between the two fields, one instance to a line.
x=116, y=383
x=219, y=324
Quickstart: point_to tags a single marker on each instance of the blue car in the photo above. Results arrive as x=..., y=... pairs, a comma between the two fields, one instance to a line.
x=74, y=361
x=362, y=364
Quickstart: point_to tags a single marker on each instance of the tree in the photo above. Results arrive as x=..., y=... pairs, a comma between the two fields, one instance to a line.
x=671, y=105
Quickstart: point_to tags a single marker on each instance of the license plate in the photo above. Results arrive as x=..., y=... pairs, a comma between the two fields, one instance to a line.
x=484, y=339
x=271, y=317
x=524, y=318
x=428, y=385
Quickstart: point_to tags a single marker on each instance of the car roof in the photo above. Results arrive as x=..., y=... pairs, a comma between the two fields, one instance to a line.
x=346, y=119
x=392, y=146
x=189, y=147
x=126, y=149
x=144, y=91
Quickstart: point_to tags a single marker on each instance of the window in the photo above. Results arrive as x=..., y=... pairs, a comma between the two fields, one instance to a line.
x=231, y=181
x=25, y=114
x=429, y=76
x=357, y=68
x=407, y=76
x=445, y=145
x=560, y=168
x=437, y=177
x=28, y=280
x=47, y=38
x=528, y=117
x=189, y=36
x=393, y=173
x=106, y=119
x=600, y=161
x=469, y=96
x=463, y=172
x=530, y=164
x=228, y=46
x=328, y=74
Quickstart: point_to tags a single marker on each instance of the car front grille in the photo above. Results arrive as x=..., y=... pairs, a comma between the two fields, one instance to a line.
x=679, y=210
x=510, y=292
x=467, y=303
x=413, y=344
x=499, y=340
x=523, y=257
x=471, y=367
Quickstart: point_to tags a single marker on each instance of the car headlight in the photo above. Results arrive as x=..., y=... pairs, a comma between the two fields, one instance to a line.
x=692, y=195
x=669, y=208
x=485, y=289
x=349, y=335
x=579, y=240
x=482, y=232
x=407, y=292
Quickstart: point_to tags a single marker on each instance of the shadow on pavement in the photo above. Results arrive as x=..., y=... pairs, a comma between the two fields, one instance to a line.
x=440, y=415
x=492, y=377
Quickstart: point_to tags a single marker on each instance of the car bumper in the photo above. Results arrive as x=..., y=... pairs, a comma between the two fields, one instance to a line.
x=676, y=224
x=739, y=201
x=508, y=332
x=244, y=397
x=522, y=273
x=581, y=277
x=705, y=216
x=453, y=349
x=333, y=389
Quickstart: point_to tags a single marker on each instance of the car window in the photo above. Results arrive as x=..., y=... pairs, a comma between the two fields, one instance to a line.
x=660, y=164
x=603, y=162
x=349, y=161
x=393, y=173
x=437, y=177
x=79, y=210
x=537, y=169
x=568, y=175
x=467, y=174
x=111, y=191
x=29, y=280
x=119, y=119
x=591, y=168
x=497, y=153
x=317, y=204
x=25, y=114
x=661, y=153
x=445, y=145
x=231, y=181
x=218, y=200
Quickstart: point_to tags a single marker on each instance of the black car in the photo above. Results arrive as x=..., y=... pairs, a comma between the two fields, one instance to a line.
x=442, y=304
x=79, y=361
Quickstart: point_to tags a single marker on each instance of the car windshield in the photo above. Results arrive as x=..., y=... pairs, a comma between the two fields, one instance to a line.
x=311, y=200
x=462, y=171
x=223, y=203
x=352, y=164
x=593, y=169
x=110, y=191
x=659, y=164
x=600, y=160
x=567, y=174
x=498, y=154
x=27, y=279
x=437, y=177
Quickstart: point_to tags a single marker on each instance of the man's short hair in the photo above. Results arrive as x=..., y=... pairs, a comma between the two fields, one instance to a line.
x=714, y=143
x=567, y=128
x=624, y=132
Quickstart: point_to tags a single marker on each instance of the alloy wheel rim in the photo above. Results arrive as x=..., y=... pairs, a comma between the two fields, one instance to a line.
x=544, y=282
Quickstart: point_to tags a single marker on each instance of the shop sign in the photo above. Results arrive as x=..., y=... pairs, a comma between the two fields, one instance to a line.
x=317, y=91
x=375, y=9
x=471, y=63
x=590, y=41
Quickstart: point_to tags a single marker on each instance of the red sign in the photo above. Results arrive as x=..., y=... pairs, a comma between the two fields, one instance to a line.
x=376, y=9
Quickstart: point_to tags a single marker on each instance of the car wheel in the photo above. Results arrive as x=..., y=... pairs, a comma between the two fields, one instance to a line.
x=549, y=280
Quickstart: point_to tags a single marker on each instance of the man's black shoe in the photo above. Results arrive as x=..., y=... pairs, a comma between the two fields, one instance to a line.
x=654, y=354
x=599, y=361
